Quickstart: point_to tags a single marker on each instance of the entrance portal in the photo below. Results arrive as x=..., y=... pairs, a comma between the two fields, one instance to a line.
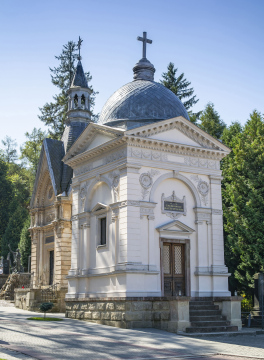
x=51, y=267
x=174, y=269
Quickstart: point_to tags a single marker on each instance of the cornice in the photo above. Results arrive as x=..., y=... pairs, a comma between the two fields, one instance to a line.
x=185, y=126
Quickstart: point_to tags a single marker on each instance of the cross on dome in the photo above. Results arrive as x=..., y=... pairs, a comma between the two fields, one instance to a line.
x=145, y=40
x=79, y=47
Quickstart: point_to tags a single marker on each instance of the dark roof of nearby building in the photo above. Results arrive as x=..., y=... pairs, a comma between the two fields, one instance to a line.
x=79, y=77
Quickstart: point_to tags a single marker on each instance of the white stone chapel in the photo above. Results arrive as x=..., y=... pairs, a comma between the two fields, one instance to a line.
x=142, y=229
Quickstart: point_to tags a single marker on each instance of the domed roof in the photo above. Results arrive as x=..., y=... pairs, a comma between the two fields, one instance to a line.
x=141, y=101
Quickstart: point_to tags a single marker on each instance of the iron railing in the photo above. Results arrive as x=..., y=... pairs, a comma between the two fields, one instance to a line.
x=49, y=294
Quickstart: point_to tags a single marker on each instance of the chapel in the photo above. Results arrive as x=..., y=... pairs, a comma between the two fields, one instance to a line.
x=127, y=212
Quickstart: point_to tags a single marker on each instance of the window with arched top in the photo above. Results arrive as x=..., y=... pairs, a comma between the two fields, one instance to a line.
x=76, y=101
x=83, y=101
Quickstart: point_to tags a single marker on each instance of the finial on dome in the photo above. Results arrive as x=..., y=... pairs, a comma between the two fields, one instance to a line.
x=144, y=70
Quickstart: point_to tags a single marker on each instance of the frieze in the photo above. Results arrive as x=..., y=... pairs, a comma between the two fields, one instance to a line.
x=203, y=163
x=83, y=169
x=115, y=156
x=147, y=154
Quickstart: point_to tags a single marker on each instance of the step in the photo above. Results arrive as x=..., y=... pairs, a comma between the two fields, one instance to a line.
x=210, y=323
x=204, y=312
x=207, y=318
x=208, y=329
x=201, y=303
x=203, y=307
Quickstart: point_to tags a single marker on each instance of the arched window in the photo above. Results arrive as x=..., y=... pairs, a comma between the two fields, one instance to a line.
x=76, y=101
x=83, y=101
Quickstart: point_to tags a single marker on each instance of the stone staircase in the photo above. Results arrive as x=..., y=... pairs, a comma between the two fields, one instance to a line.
x=205, y=317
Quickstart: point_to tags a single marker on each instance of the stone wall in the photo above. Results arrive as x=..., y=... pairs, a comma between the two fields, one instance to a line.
x=14, y=281
x=171, y=314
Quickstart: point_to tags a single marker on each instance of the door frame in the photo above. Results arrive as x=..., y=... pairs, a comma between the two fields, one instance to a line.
x=186, y=243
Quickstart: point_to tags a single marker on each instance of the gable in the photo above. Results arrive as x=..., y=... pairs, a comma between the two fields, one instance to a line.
x=98, y=140
x=175, y=136
x=175, y=228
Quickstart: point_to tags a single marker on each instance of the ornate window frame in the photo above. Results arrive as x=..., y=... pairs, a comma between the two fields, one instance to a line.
x=101, y=211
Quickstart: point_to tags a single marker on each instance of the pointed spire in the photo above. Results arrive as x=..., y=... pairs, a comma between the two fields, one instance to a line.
x=79, y=78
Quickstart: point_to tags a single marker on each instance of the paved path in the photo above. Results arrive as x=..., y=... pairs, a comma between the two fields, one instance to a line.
x=73, y=339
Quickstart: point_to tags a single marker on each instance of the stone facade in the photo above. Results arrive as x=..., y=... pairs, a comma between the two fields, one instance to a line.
x=170, y=314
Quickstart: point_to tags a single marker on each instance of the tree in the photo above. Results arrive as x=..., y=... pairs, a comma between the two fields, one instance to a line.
x=210, y=121
x=179, y=86
x=53, y=114
x=30, y=151
x=44, y=307
x=243, y=200
x=9, y=153
x=5, y=197
x=13, y=230
x=25, y=243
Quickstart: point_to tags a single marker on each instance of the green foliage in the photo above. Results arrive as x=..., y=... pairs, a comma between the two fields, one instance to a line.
x=211, y=123
x=9, y=154
x=179, y=86
x=53, y=114
x=44, y=307
x=5, y=196
x=30, y=152
x=246, y=304
x=25, y=243
x=13, y=230
x=243, y=201
x=44, y=319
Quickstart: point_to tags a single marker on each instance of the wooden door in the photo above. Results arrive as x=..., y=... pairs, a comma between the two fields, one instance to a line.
x=51, y=267
x=174, y=269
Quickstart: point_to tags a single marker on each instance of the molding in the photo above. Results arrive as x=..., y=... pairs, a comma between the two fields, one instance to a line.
x=166, y=230
x=180, y=177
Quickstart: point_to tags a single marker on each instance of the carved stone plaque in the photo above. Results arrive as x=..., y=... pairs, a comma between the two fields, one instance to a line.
x=172, y=206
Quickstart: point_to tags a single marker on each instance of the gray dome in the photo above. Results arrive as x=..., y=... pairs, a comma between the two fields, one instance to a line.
x=140, y=102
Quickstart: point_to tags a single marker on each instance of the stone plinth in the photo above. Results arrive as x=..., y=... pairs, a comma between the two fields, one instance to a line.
x=231, y=308
x=166, y=313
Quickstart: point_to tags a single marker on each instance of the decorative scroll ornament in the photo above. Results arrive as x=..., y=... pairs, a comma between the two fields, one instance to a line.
x=202, y=187
x=115, y=177
x=83, y=193
x=173, y=206
x=146, y=181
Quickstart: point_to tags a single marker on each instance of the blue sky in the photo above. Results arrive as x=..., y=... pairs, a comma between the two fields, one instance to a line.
x=217, y=44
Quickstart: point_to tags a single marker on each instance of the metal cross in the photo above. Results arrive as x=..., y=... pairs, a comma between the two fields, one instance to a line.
x=145, y=41
x=79, y=47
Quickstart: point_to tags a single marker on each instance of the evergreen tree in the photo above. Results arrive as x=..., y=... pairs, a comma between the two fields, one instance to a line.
x=30, y=151
x=211, y=123
x=5, y=197
x=53, y=114
x=9, y=153
x=243, y=200
x=13, y=230
x=25, y=243
x=179, y=86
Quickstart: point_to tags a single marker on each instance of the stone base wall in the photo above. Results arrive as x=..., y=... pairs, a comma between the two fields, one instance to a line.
x=30, y=299
x=171, y=314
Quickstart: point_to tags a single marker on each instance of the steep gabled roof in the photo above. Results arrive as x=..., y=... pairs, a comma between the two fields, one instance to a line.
x=79, y=77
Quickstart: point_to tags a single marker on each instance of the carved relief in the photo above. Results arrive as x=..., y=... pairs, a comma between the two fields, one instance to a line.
x=83, y=193
x=148, y=154
x=115, y=177
x=50, y=193
x=83, y=169
x=203, y=163
x=173, y=206
x=146, y=181
x=115, y=156
x=202, y=187
x=49, y=218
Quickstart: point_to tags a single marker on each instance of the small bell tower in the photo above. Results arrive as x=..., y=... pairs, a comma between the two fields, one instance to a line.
x=79, y=106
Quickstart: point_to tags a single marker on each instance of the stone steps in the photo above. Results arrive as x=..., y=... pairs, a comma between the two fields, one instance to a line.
x=205, y=317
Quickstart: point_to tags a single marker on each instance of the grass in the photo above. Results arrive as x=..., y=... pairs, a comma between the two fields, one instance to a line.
x=44, y=319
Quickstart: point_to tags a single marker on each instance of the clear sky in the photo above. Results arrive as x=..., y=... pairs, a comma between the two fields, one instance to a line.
x=217, y=44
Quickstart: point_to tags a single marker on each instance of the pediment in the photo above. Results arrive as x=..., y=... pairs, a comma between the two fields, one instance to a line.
x=180, y=131
x=175, y=227
x=99, y=207
x=94, y=136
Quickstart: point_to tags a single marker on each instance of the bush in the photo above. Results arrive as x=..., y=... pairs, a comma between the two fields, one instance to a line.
x=44, y=307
